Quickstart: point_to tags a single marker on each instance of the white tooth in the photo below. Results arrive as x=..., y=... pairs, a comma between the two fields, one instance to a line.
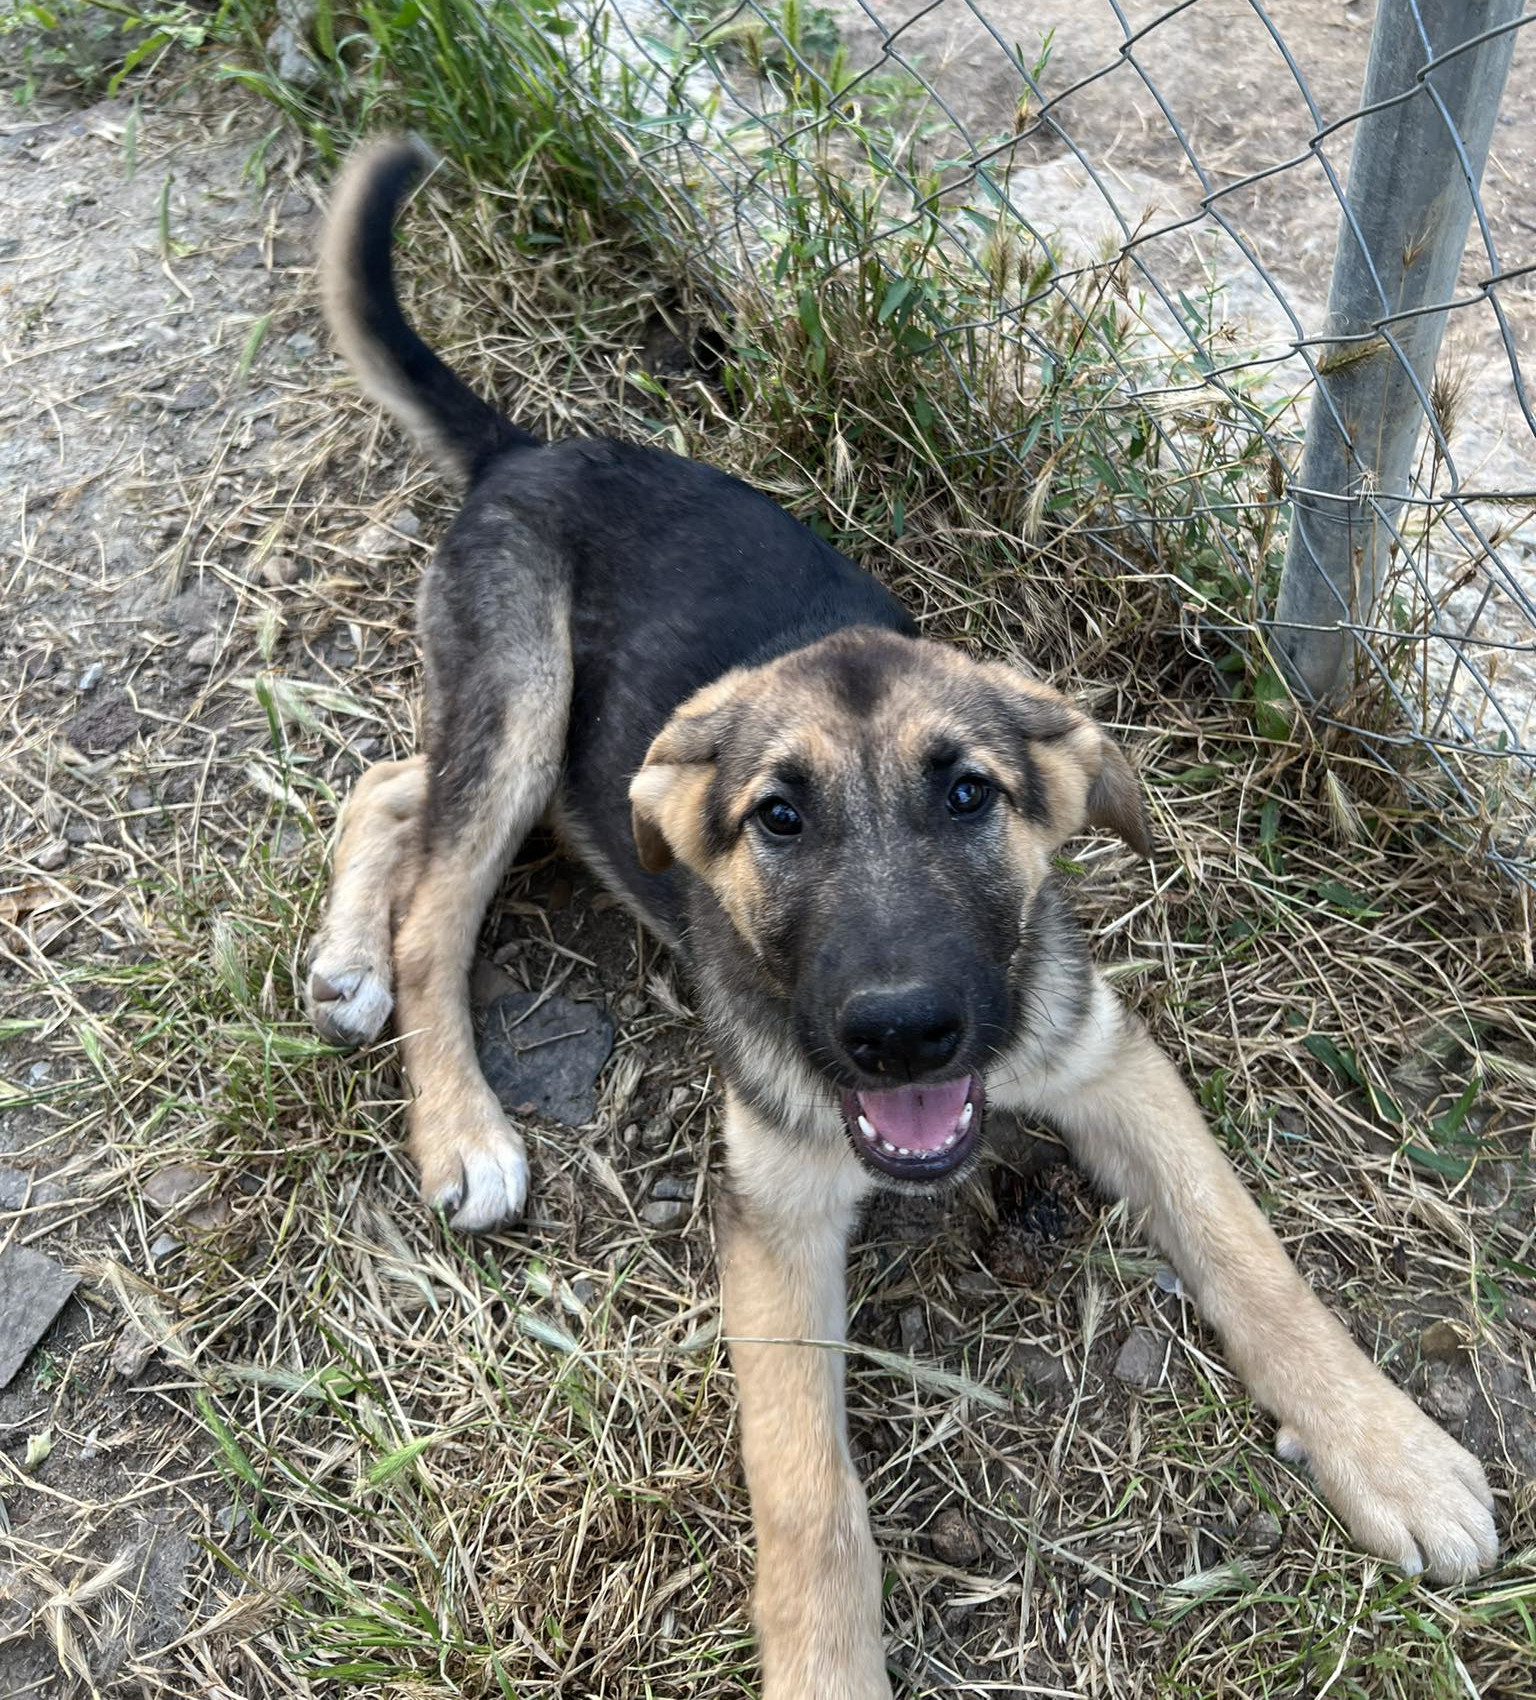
x=903, y=1150
x=965, y=1117
x=951, y=1140
x=885, y=1145
x=867, y=1129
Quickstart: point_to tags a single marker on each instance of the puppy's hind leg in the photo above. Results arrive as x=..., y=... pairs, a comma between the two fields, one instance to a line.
x=349, y=989
x=496, y=754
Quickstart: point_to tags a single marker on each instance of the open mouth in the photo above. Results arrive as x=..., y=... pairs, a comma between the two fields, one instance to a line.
x=916, y=1132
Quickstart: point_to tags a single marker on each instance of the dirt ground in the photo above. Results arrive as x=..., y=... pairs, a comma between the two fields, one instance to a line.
x=190, y=502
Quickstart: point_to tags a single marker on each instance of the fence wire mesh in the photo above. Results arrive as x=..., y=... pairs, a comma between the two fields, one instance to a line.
x=1114, y=225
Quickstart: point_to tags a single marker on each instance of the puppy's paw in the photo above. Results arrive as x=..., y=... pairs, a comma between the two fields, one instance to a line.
x=474, y=1167
x=1404, y=1489
x=349, y=1001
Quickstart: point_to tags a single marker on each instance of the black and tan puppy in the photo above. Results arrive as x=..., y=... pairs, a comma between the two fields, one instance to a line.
x=847, y=832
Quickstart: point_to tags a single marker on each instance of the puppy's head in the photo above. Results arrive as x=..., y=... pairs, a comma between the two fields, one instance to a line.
x=875, y=814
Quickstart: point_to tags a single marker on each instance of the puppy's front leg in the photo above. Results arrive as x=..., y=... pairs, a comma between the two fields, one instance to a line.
x=784, y=1238
x=1405, y=1489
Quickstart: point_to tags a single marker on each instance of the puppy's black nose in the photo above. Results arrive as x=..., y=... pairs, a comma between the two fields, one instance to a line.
x=905, y=1031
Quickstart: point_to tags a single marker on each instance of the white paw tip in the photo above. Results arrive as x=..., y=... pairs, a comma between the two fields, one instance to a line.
x=492, y=1190
x=349, y=1007
x=1289, y=1448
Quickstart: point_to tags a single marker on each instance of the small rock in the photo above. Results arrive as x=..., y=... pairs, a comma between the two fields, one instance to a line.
x=51, y=857
x=1258, y=1534
x=378, y=540
x=140, y=797
x=162, y=1246
x=1143, y=1359
x=172, y=1185
x=33, y=1290
x=130, y=1353
x=1449, y=1398
x=300, y=14
x=205, y=651
x=673, y=1187
x=1522, y=1312
x=229, y=1518
x=91, y=677
x=952, y=1540
x=18, y=1187
x=586, y=1290
x=38, y=1073
x=190, y=397
x=1441, y=1342
x=1040, y=1371
x=664, y=1213
x=294, y=63
x=214, y=1214
x=280, y=569
x=1167, y=1280
x=302, y=344
x=913, y=1324
x=657, y=1134
x=79, y=832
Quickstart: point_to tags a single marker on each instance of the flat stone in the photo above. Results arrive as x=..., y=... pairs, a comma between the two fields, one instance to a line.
x=664, y=1213
x=675, y=1187
x=1040, y=1371
x=543, y=1057
x=1143, y=1359
x=51, y=857
x=33, y=1290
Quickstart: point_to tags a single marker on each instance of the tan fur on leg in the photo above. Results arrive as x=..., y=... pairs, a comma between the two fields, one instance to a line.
x=1405, y=1489
x=349, y=984
x=784, y=1239
x=472, y=1161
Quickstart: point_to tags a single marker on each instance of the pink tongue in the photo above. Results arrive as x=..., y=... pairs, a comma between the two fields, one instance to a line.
x=920, y=1118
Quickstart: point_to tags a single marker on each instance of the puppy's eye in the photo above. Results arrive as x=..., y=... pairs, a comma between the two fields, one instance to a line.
x=780, y=818
x=969, y=795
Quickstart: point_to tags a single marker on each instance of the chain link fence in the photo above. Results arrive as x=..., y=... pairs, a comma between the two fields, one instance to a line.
x=1270, y=269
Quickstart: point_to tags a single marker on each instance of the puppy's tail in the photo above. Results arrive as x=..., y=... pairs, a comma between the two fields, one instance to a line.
x=394, y=366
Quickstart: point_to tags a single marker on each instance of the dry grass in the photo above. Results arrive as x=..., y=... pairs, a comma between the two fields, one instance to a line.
x=427, y=1467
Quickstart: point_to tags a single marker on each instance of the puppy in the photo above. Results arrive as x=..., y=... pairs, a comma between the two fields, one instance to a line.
x=847, y=833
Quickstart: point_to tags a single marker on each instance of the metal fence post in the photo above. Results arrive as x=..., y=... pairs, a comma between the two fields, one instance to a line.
x=1400, y=243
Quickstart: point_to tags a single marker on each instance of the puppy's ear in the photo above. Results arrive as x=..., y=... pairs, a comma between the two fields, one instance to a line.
x=667, y=797
x=1088, y=781
x=1115, y=800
